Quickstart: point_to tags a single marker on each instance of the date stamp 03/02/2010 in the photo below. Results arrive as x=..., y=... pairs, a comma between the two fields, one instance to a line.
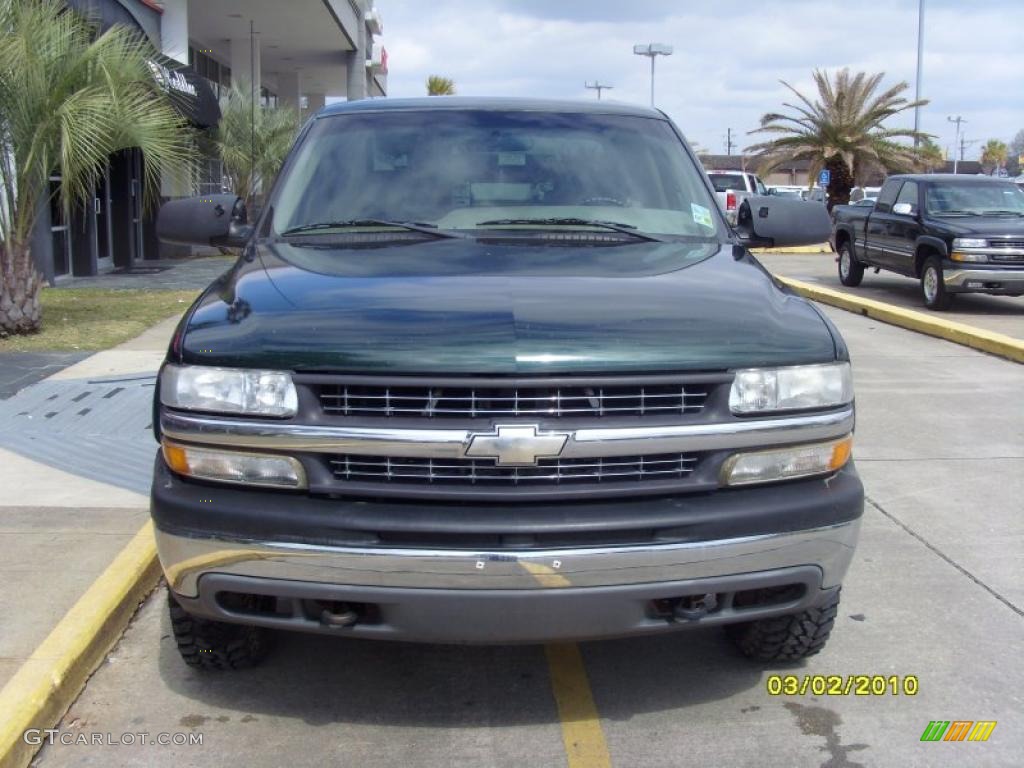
x=842, y=685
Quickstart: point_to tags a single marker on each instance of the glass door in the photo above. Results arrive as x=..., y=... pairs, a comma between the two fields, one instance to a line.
x=60, y=231
x=103, y=237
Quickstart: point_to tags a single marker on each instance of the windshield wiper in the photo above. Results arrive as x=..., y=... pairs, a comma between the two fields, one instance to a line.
x=409, y=226
x=1003, y=213
x=955, y=212
x=626, y=229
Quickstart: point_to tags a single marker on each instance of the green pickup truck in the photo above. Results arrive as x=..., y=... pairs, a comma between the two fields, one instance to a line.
x=499, y=371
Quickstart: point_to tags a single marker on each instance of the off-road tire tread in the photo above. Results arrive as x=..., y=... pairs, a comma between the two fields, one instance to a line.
x=215, y=645
x=787, y=638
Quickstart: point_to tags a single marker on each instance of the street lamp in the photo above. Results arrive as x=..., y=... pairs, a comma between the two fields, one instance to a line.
x=652, y=50
x=917, y=81
x=956, y=143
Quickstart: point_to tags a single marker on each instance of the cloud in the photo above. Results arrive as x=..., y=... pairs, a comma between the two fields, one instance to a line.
x=728, y=60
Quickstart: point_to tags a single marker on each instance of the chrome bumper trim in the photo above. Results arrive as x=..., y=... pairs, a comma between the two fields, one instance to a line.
x=452, y=443
x=186, y=559
x=957, y=278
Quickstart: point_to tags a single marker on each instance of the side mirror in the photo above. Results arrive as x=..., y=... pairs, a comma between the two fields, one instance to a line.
x=217, y=220
x=903, y=209
x=774, y=222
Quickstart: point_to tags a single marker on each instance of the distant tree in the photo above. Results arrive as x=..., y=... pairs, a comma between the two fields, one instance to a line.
x=993, y=155
x=930, y=156
x=440, y=86
x=1017, y=145
x=842, y=128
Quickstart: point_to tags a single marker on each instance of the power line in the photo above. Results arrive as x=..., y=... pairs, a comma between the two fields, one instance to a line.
x=598, y=86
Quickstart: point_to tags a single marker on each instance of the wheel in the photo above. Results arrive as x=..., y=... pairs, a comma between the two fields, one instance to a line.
x=206, y=644
x=933, y=289
x=786, y=638
x=851, y=271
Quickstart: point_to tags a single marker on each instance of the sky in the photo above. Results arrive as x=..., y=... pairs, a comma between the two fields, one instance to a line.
x=728, y=60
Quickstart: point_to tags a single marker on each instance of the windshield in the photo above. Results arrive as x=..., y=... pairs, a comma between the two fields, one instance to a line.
x=723, y=182
x=482, y=169
x=978, y=198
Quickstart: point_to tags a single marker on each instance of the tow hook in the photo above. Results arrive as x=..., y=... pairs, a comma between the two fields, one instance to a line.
x=694, y=607
x=338, y=615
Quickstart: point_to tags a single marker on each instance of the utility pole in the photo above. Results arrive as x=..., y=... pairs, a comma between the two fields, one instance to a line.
x=598, y=86
x=729, y=144
x=652, y=50
x=958, y=120
x=920, y=55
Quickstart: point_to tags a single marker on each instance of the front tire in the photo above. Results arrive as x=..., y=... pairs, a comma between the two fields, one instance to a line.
x=787, y=638
x=933, y=289
x=215, y=645
x=851, y=271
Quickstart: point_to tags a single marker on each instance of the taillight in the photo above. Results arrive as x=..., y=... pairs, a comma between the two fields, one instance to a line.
x=730, y=201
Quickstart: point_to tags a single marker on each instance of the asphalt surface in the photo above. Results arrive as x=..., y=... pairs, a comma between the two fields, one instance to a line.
x=1003, y=314
x=22, y=369
x=935, y=591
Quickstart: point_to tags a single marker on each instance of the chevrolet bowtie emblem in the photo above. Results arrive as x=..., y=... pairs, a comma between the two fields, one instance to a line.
x=516, y=446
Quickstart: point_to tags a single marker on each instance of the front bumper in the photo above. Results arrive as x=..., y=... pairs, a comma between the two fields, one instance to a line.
x=995, y=281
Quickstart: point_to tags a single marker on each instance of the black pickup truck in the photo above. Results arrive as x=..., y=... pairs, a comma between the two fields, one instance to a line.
x=500, y=371
x=956, y=234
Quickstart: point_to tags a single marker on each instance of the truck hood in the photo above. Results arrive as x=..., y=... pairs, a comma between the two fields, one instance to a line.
x=1011, y=227
x=464, y=306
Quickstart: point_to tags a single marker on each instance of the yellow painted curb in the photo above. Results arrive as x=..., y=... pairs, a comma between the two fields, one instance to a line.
x=977, y=338
x=49, y=681
x=822, y=248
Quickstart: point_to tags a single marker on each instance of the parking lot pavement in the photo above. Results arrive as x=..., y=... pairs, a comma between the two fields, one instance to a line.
x=1003, y=314
x=934, y=592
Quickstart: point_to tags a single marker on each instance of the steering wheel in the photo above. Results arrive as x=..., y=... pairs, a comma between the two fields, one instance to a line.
x=605, y=201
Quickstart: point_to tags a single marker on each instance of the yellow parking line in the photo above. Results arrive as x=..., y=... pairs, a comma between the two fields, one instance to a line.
x=978, y=338
x=582, y=736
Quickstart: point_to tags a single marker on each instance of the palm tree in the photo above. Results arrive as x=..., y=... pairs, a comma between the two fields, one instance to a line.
x=440, y=86
x=930, y=156
x=842, y=129
x=253, y=143
x=994, y=154
x=69, y=98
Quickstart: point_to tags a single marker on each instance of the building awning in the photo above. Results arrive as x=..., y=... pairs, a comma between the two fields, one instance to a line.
x=190, y=93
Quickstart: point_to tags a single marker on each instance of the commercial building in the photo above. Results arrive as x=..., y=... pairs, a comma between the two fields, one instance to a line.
x=296, y=54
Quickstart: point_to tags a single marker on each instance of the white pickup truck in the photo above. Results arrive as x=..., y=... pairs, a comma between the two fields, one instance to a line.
x=732, y=188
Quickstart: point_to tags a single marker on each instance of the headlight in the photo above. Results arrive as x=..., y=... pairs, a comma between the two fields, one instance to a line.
x=969, y=242
x=786, y=463
x=228, y=390
x=760, y=390
x=234, y=466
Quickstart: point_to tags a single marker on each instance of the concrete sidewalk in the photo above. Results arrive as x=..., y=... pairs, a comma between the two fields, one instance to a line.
x=60, y=524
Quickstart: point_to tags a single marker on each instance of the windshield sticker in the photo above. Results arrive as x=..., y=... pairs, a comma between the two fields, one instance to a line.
x=701, y=215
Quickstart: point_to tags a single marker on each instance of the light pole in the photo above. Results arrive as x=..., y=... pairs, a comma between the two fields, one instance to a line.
x=598, y=86
x=956, y=120
x=652, y=50
x=917, y=82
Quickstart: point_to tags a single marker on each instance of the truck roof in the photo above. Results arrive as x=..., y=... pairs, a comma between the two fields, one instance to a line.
x=497, y=104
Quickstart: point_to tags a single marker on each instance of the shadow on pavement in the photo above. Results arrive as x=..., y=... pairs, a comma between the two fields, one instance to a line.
x=321, y=680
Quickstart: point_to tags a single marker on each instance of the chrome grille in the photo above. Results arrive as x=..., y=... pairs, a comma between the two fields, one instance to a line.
x=502, y=402
x=618, y=469
x=1006, y=243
